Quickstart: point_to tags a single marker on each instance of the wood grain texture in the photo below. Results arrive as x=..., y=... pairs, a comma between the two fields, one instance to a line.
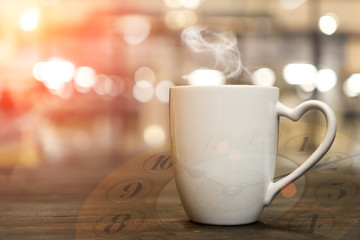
x=137, y=199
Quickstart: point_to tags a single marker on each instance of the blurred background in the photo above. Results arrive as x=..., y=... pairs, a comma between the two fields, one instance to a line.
x=84, y=83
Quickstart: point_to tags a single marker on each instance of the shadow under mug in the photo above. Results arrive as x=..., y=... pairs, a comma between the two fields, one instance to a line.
x=224, y=145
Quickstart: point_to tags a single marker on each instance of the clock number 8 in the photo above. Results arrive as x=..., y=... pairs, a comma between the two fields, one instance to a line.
x=117, y=223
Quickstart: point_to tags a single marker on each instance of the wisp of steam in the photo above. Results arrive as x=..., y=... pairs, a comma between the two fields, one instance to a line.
x=222, y=45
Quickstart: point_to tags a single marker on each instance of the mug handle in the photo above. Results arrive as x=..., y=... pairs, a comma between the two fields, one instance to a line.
x=295, y=114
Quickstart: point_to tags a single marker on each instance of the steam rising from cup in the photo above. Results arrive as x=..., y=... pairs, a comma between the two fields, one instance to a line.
x=222, y=45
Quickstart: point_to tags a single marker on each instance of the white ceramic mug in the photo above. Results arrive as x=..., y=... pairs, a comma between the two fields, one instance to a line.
x=224, y=145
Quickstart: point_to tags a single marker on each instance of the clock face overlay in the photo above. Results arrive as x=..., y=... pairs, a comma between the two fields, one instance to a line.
x=139, y=201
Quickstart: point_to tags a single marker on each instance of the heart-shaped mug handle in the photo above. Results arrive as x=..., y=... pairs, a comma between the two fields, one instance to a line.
x=295, y=114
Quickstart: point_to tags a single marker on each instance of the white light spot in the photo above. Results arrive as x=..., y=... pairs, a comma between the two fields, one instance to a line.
x=264, y=77
x=328, y=24
x=300, y=73
x=351, y=85
x=30, y=19
x=308, y=87
x=85, y=78
x=326, y=80
x=205, y=77
x=190, y=4
x=37, y=70
x=54, y=73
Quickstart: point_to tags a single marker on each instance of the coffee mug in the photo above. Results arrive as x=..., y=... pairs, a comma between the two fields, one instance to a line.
x=224, y=146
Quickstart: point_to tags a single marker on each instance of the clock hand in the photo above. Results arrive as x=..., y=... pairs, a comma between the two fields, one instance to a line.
x=320, y=165
x=324, y=164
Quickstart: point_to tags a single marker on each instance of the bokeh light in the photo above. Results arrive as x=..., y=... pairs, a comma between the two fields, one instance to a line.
x=108, y=87
x=351, y=85
x=180, y=19
x=162, y=90
x=326, y=80
x=264, y=77
x=300, y=73
x=328, y=24
x=143, y=91
x=291, y=4
x=37, y=71
x=308, y=88
x=190, y=4
x=103, y=84
x=145, y=73
x=136, y=29
x=172, y=3
x=30, y=19
x=154, y=134
x=54, y=73
x=205, y=77
x=65, y=91
x=85, y=78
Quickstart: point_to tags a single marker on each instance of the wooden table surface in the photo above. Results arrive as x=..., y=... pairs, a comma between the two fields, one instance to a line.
x=136, y=198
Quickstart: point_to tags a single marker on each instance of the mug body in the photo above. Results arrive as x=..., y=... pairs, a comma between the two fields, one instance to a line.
x=224, y=145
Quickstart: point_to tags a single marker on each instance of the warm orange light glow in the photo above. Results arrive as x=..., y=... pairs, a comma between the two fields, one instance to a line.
x=30, y=19
x=289, y=190
x=154, y=134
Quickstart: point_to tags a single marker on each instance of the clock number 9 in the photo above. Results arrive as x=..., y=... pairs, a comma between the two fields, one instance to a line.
x=131, y=190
